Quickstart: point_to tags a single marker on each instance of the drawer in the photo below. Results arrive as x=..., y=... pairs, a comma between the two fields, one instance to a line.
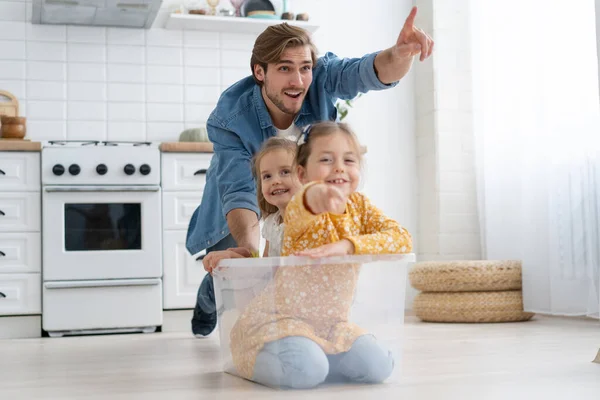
x=19, y=172
x=184, y=171
x=20, y=212
x=110, y=304
x=20, y=252
x=20, y=294
x=178, y=208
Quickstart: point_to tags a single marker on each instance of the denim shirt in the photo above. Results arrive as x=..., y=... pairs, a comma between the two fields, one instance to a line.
x=240, y=123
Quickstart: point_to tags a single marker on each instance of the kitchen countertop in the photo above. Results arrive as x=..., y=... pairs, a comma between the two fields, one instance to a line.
x=19, y=145
x=201, y=147
x=186, y=147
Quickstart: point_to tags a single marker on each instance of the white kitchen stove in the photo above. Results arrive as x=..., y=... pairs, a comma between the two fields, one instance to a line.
x=102, y=242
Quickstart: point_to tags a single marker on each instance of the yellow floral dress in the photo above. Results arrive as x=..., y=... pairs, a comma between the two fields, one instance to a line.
x=314, y=301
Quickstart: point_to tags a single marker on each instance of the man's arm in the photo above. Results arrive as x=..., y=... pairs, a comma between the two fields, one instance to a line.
x=346, y=77
x=236, y=186
x=243, y=225
x=393, y=64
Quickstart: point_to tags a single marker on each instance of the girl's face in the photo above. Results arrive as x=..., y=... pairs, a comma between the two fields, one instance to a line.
x=334, y=159
x=278, y=181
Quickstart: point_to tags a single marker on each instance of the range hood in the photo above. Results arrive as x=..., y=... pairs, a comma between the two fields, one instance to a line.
x=116, y=13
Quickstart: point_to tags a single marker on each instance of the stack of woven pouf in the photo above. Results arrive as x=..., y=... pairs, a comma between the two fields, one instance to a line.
x=468, y=291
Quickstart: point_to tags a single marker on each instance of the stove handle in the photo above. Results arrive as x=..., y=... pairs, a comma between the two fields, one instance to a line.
x=98, y=284
x=202, y=171
x=51, y=189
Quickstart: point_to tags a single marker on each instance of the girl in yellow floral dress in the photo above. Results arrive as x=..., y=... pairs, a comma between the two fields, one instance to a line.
x=297, y=332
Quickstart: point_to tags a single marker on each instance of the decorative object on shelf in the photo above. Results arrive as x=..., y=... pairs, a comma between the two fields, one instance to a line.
x=226, y=12
x=9, y=105
x=194, y=135
x=302, y=17
x=13, y=127
x=197, y=12
x=213, y=6
x=258, y=9
x=287, y=16
x=237, y=5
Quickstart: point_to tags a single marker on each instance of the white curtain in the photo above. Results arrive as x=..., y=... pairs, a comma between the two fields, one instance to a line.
x=537, y=130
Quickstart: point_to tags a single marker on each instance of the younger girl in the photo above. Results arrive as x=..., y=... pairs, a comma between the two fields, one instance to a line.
x=296, y=332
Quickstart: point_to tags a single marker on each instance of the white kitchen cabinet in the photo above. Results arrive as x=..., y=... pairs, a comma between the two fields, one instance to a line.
x=182, y=273
x=20, y=245
x=184, y=171
x=20, y=252
x=20, y=212
x=20, y=294
x=19, y=172
x=183, y=180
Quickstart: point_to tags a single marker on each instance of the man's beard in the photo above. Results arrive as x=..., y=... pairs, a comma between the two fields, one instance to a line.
x=277, y=100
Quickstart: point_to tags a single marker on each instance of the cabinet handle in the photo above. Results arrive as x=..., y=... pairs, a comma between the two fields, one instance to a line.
x=199, y=258
x=202, y=171
x=2, y=295
x=2, y=253
x=2, y=212
x=2, y=172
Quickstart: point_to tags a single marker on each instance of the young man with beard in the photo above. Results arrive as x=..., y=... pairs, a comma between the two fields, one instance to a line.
x=289, y=88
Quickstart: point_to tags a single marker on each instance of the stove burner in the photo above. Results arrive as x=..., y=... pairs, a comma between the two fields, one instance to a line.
x=96, y=143
x=82, y=142
x=116, y=143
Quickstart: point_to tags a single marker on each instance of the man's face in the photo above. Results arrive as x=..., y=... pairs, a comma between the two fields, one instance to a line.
x=286, y=82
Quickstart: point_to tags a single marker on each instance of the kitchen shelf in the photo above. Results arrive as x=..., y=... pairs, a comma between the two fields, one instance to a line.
x=228, y=24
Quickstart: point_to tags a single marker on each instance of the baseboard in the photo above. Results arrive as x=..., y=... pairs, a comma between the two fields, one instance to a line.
x=21, y=327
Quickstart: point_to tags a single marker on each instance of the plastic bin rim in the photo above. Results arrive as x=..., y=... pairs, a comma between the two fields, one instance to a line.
x=293, y=261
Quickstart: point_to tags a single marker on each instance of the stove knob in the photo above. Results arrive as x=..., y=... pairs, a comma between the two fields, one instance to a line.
x=129, y=169
x=101, y=169
x=58, y=170
x=145, y=169
x=74, y=169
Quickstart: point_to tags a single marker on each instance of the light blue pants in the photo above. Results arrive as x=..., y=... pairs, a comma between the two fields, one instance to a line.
x=299, y=363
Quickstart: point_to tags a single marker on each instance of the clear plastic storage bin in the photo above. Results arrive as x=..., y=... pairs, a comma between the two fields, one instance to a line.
x=330, y=302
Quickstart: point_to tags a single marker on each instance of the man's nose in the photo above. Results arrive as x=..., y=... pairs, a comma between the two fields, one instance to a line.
x=296, y=79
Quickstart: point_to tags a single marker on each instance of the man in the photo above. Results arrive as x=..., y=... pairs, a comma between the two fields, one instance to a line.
x=289, y=88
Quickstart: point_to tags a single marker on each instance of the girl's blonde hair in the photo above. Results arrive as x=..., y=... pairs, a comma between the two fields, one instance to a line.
x=322, y=129
x=271, y=144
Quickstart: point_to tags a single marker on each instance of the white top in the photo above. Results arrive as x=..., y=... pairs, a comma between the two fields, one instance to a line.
x=272, y=231
x=292, y=132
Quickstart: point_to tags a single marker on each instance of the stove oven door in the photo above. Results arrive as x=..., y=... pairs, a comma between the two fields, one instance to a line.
x=105, y=232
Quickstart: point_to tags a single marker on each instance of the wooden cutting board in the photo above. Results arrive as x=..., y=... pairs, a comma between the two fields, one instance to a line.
x=186, y=147
x=9, y=105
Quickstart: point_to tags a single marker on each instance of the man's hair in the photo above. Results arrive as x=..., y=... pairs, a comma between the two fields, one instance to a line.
x=270, y=45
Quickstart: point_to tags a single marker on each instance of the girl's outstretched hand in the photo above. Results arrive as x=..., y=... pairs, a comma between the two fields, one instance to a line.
x=343, y=247
x=321, y=198
x=211, y=260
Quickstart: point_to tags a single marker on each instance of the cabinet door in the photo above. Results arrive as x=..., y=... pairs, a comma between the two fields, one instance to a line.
x=182, y=274
x=19, y=172
x=178, y=208
x=20, y=252
x=20, y=294
x=184, y=171
x=20, y=212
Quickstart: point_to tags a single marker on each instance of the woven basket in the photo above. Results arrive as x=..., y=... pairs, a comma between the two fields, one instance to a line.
x=466, y=276
x=504, y=306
